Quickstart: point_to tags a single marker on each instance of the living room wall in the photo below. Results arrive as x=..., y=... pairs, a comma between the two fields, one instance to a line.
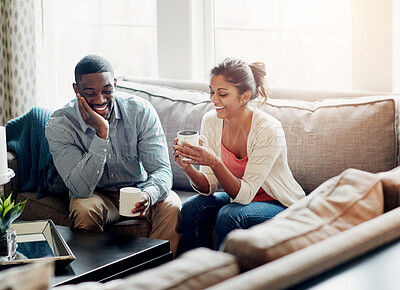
x=184, y=38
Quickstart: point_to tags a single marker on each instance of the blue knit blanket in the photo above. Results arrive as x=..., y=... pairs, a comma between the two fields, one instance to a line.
x=25, y=137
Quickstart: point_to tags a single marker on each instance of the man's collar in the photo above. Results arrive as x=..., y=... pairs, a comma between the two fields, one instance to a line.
x=117, y=112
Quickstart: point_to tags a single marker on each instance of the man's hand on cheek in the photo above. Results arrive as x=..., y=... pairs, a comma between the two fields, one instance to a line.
x=92, y=118
x=142, y=204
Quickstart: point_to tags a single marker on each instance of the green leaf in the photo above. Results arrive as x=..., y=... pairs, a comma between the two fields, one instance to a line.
x=21, y=206
x=3, y=228
x=7, y=209
x=10, y=206
x=9, y=212
x=11, y=215
x=2, y=197
x=7, y=201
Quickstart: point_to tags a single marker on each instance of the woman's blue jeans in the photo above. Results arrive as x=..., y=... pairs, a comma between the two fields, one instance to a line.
x=200, y=213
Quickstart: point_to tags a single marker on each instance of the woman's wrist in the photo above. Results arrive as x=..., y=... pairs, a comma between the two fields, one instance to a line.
x=189, y=169
x=216, y=162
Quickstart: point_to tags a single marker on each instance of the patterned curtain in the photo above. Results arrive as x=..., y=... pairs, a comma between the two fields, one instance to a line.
x=20, y=56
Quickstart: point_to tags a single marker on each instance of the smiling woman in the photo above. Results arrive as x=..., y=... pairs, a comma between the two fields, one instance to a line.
x=246, y=154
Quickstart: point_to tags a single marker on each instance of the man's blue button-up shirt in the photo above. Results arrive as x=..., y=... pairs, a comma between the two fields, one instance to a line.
x=135, y=153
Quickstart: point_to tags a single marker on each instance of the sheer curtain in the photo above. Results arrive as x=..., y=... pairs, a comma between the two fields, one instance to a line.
x=21, y=56
x=123, y=31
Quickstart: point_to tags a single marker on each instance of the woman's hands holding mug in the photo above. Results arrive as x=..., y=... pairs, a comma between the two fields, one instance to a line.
x=186, y=154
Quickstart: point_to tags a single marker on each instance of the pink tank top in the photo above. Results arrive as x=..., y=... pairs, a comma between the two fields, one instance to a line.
x=236, y=167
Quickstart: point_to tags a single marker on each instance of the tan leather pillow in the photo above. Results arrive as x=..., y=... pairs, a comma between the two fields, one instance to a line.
x=338, y=204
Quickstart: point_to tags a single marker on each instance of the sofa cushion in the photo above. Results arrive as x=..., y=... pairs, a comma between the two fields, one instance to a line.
x=178, y=110
x=34, y=276
x=391, y=188
x=323, y=137
x=340, y=203
x=47, y=207
x=326, y=137
x=196, y=269
x=359, y=241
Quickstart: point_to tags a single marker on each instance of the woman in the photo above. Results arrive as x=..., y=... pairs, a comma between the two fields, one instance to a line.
x=246, y=154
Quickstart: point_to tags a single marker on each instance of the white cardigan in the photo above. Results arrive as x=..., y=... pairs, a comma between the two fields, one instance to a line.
x=267, y=165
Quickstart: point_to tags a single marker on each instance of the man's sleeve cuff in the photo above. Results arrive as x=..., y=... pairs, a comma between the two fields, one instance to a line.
x=99, y=146
x=152, y=192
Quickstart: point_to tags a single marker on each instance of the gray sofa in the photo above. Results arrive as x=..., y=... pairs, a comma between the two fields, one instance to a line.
x=326, y=132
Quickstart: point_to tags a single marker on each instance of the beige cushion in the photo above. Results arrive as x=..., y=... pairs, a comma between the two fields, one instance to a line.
x=340, y=203
x=196, y=269
x=178, y=110
x=32, y=276
x=299, y=266
x=391, y=188
x=325, y=138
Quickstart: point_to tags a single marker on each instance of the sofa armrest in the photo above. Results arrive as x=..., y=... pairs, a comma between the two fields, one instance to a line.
x=14, y=185
x=320, y=257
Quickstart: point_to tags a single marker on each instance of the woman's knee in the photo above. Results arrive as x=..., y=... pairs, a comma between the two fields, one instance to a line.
x=227, y=217
x=193, y=205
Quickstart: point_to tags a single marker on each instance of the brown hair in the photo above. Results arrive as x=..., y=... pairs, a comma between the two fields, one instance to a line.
x=244, y=77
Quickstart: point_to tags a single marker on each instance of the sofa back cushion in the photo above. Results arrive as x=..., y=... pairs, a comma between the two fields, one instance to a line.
x=326, y=137
x=178, y=110
x=338, y=204
x=323, y=137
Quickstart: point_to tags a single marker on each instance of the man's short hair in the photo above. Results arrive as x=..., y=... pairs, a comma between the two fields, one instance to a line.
x=92, y=64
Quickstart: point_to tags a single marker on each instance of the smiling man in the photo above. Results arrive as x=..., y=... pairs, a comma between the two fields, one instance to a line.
x=101, y=142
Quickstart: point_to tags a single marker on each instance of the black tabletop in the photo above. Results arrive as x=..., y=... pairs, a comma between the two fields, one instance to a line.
x=100, y=256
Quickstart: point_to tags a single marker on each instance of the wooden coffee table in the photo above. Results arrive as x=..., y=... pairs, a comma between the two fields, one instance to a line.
x=106, y=256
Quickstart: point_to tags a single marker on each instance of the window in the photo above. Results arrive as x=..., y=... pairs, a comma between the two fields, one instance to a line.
x=123, y=31
x=332, y=44
x=303, y=43
x=329, y=44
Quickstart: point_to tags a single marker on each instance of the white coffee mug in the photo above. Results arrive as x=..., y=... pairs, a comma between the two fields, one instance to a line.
x=192, y=137
x=128, y=197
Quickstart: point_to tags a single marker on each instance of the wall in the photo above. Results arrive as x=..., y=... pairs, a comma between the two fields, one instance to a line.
x=372, y=49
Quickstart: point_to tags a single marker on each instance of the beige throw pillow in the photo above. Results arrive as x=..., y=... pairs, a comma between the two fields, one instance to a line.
x=391, y=188
x=34, y=276
x=197, y=269
x=338, y=204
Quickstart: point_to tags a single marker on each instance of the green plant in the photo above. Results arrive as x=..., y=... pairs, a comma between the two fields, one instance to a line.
x=9, y=212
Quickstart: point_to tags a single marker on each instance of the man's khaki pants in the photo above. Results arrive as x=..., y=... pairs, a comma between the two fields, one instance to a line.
x=95, y=212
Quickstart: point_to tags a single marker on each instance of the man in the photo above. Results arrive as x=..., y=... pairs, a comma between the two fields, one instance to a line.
x=101, y=142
